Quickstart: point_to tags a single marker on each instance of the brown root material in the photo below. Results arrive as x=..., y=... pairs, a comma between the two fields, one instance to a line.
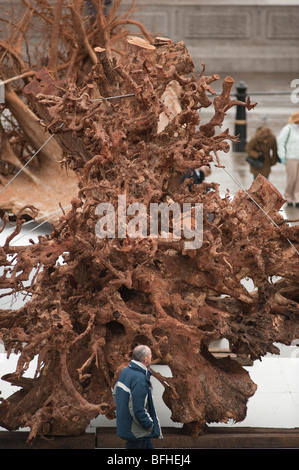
x=63, y=36
x=94, y=298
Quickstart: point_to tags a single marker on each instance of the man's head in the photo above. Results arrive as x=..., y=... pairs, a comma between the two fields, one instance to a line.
x=143, y=354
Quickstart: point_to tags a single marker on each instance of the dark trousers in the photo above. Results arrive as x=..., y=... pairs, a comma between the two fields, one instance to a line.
x=139, y=444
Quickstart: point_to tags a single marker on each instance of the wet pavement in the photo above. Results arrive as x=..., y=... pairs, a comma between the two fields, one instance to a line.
x=274, y=105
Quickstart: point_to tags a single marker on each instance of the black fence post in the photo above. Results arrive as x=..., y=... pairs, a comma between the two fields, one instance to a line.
x=240, y=122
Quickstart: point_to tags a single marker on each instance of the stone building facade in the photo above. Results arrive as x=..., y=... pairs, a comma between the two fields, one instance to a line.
x=229, y=35
x=235, y=36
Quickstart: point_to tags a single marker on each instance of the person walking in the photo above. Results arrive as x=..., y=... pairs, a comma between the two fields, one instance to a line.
x=264, y=142
x=288, y=151
x=136, y=417
x=198, y=175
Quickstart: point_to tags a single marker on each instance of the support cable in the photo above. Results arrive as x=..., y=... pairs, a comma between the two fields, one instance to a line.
x=27, y=163
x=126, y=96
x=264, y=212
x=44, y=222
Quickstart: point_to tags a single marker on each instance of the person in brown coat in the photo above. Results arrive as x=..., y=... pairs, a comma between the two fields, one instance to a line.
x=263, y=141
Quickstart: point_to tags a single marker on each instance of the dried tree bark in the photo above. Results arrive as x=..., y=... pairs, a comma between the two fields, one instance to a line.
x=61, y=35
x=87, y=312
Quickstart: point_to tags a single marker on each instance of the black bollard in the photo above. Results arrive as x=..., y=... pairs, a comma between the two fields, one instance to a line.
x=240, y=122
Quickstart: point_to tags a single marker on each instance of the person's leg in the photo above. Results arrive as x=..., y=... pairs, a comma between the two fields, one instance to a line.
x=149, y=444
x=296, y=186
x=291, y=171
x=139, y=444
x=132, y=444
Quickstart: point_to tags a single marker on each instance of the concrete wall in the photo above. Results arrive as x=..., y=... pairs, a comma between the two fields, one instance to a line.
x=229, y=35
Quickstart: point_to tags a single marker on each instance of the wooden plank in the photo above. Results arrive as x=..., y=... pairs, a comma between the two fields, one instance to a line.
x=243, y=359
x=17, y=440
x=214, y=438
x=174, y=438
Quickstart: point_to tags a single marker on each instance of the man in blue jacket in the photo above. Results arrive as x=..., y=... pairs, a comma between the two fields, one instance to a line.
x=136, y=417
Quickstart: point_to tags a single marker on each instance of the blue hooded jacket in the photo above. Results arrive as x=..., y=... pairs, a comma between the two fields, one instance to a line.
x=136, y=416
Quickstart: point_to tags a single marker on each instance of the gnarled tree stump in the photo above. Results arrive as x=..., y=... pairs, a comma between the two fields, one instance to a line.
x=88, y=312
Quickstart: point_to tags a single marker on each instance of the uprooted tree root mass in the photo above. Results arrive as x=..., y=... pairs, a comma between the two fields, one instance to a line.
x=93, y=299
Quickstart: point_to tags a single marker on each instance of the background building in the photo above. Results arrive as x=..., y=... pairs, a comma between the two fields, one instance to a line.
x=229, y=35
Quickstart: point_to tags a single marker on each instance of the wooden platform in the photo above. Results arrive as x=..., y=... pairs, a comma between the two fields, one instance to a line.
x=214, y=438
x=17, y=440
